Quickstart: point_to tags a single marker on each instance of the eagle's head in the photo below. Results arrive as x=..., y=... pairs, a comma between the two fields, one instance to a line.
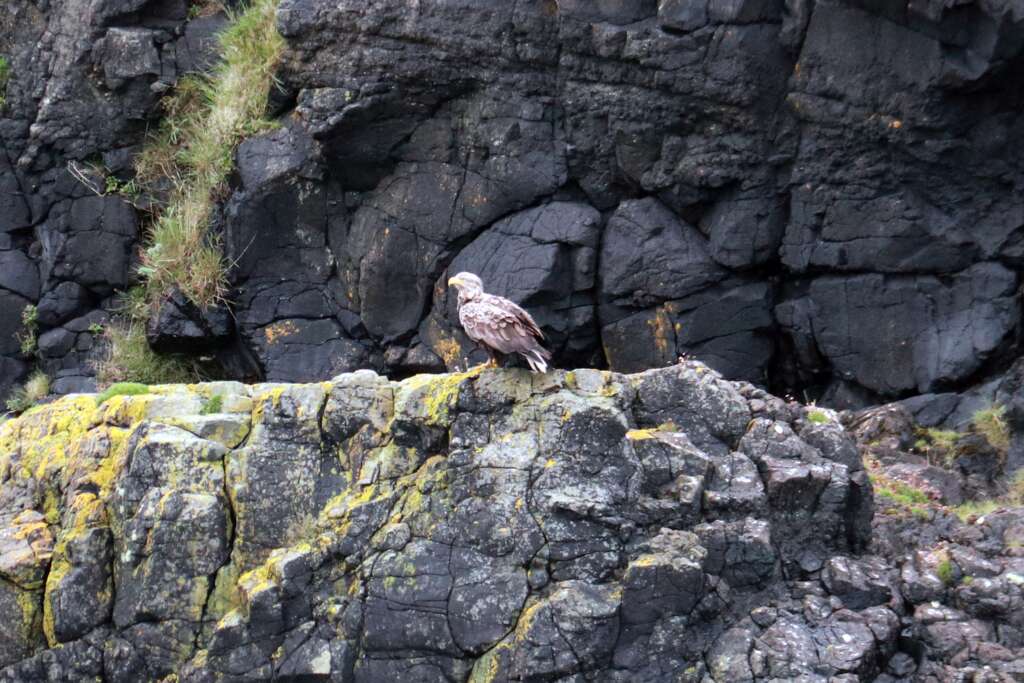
x=469, y=285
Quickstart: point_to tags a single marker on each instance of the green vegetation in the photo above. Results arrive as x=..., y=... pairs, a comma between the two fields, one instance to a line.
x=129, y=358
x=817, y=417
x=121, y=389
x=5, y=75
x=212, y=405
x=1014, y=497
x=194, y=150
x=30, y=393
x=29, y=335
x=902, y=495
x=991, y=423
x=898, y=492
x=186, y=165
x=945, y=571
x=96, y=329
x=938, y=445
x=967, y=580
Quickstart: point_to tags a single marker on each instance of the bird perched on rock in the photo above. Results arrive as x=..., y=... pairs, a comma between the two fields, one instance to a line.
x=497, y=324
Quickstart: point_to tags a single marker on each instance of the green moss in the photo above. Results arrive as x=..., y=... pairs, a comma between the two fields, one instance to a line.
x=967, y=580
x=121, y=389
x=817, y=417
x=211, y=405
x=946, y=571
x=5, y=76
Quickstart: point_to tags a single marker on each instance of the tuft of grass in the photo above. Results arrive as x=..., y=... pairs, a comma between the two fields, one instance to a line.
x=1014, y=497
x=945, y=571
x=194, y=149
x=898, y=492
x=186, y=164
x=991, y=423
x=817, y=417
x=5, y=75
x=121, y=389
x=212, y=405
x=35, y=389
x=30, y=334
x=903, y=495
x=938, y=445
x=129, y=358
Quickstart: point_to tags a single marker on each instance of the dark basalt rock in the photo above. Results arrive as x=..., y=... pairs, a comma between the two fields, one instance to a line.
x=810, y=195
x=668, y=525
x=179, y=326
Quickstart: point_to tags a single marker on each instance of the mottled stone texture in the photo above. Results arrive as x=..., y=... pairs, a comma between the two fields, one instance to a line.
x=491, y=525
x=805, y=192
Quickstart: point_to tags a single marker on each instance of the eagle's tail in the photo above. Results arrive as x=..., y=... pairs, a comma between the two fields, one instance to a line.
x=538, y=358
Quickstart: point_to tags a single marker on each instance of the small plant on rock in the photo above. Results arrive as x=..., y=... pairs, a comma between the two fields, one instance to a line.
x=30, y=331
x=30, y=393
x=938, y=445
x=817, y=417
x=121, y=389
x=129, y=358
x=945, y=571
x=5, y=75
x=991, y=423
x=212, y=405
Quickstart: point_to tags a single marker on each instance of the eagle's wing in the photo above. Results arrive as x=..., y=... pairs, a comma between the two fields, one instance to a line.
x=500, y=324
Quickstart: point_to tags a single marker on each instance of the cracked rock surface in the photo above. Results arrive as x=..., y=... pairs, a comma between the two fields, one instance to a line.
x=817, y=194
x=489, y=525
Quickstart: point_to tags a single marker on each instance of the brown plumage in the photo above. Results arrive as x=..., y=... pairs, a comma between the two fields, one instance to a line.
x=498, y=324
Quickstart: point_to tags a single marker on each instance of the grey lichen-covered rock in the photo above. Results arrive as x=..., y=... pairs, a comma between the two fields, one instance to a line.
x=492, y=525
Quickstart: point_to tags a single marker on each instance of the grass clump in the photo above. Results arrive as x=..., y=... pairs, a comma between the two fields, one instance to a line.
x=945, y=571
x=5, y=75
x=902, y=495
x=185, y=167
x=31, y=392
x=974, y=509
x=121, y=389
x=212, y=405
x=194, y=148
x=991, y=423
x=129, y=358
x=938, y=445
x=29, y=336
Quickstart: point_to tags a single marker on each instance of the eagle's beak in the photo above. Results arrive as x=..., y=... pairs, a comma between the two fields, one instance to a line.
x=454, y=280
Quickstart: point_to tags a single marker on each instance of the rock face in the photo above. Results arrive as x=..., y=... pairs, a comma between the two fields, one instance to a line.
x=494, y=525
x=811, y=192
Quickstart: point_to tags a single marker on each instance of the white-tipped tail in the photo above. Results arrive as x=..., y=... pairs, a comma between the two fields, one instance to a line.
x=536, y=361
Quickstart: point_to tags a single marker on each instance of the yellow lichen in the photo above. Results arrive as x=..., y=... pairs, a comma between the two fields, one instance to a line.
x=273, y=333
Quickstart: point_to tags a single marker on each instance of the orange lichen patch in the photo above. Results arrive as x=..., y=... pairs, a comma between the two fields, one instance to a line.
x=449, y=350
x=896, y=123
x=662, y=332
x=285, y=328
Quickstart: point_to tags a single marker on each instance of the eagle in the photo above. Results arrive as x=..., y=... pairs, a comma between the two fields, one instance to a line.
x=497, y=324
